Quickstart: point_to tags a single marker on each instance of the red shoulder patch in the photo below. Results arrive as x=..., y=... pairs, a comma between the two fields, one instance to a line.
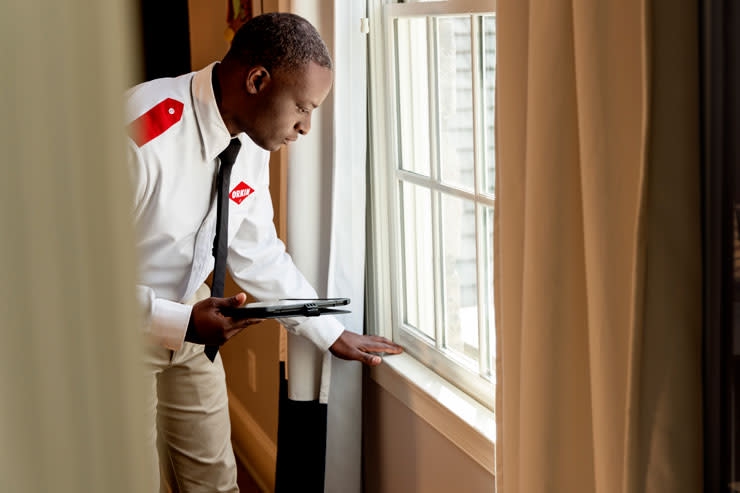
x=155, y=122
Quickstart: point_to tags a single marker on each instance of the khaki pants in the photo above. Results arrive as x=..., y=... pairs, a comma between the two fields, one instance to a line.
x=190, y=424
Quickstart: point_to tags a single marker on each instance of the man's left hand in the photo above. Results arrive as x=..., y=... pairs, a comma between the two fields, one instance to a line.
x=363, y=348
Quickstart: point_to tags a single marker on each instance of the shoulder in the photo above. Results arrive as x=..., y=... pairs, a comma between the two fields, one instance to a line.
x=153, y=107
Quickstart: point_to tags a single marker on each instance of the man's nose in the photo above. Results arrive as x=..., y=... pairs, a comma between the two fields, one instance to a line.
x=303, y=126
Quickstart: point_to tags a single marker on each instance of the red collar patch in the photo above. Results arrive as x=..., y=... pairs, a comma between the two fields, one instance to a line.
x=240, y=192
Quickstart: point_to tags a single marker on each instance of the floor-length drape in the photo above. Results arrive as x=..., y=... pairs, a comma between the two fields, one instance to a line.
x=597, y=247
x=71, y=384
x=319, y=429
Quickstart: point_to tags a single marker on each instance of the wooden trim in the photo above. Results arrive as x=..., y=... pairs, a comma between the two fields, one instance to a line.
x=252, y=446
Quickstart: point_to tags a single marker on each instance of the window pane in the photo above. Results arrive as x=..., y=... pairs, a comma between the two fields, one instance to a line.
x=460, y=279
x=487, y=257
x=413, y=95
x=455, y=101
x=417, y=256
x=489, y=84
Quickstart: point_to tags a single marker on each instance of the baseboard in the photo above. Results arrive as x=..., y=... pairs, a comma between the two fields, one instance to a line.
x=256, y=451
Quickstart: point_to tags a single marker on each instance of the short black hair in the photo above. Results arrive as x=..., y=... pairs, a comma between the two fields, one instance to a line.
x=279, y=41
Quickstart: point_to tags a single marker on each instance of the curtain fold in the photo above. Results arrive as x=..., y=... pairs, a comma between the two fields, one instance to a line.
x=346, y=276
x=597, y=247
x=71, y=378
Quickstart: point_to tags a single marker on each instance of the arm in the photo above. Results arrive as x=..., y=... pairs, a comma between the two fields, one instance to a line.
x=259, y=264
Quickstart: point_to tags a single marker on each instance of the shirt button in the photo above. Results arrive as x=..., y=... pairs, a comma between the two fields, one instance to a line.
x=171, y=111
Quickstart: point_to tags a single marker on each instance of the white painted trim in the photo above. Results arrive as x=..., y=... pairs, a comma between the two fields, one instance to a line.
x=384, y=260
x=446, y=7
x=252, y=446
x=465, y=422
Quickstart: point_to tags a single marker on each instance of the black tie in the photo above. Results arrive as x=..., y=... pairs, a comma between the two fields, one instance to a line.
x=220, y=242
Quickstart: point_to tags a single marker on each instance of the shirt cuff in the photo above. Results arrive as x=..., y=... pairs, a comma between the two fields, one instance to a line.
x=169, y=323
x=323, y=331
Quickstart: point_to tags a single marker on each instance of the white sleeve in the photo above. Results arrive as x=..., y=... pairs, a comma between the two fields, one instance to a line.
x=165, y=321
x=260, y=265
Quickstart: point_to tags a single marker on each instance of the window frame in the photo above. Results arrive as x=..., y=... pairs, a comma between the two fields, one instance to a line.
x=385, y=309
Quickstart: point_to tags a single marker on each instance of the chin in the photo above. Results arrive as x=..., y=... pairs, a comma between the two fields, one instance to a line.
x=268, y=147
x=263, y=143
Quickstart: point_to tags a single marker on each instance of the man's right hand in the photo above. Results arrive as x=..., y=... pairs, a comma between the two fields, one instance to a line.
x=209, y=326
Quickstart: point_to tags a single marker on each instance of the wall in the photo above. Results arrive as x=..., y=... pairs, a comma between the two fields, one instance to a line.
x=403, y=454
x=207, y=28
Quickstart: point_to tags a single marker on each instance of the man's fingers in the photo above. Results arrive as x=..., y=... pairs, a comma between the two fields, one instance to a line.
x=241, y=324
x=246, y=322
x=383, y=347
x=364, y=357
x=237, y=300
x=372, y=359
x=390, y=343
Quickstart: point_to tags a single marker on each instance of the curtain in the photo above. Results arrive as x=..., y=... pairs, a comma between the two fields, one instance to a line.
x=70, y=375
x=319, y=428
x=597, y=247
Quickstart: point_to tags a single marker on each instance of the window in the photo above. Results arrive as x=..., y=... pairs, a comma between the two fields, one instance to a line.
x=432, y=68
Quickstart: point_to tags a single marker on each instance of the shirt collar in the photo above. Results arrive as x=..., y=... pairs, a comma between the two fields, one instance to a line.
x=213, y=132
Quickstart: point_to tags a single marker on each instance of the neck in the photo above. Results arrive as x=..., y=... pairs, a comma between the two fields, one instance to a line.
x=219, y=78
x=217, y=87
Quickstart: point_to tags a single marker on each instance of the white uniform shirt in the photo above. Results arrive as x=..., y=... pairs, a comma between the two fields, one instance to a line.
x=177, y=134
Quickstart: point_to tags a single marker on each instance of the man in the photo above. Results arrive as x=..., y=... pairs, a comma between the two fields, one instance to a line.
x=263, y=93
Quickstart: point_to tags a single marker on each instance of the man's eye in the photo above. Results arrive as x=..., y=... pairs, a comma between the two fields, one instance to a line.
x=302, y=109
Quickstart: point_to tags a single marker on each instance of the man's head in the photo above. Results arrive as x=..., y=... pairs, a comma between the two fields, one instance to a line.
x=276, y=73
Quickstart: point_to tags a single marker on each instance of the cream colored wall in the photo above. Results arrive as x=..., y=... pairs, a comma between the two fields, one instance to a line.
x=403, y=454
x=207, y=27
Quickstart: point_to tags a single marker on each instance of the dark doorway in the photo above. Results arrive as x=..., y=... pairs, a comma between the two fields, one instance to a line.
x=720, y=42
x=165, y=38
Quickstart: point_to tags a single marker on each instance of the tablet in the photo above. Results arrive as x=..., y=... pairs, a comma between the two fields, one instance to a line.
x=288, y=308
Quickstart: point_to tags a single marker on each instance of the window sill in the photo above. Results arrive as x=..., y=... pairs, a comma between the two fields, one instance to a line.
x=461, y=419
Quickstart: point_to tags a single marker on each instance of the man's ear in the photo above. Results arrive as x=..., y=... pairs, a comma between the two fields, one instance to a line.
x=257, y=79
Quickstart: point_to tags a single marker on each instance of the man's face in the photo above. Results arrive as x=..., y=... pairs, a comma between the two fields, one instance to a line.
x=284, y=104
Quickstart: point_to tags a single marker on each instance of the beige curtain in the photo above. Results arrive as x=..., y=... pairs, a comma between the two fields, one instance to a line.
x=598, y=281
x=71, y=411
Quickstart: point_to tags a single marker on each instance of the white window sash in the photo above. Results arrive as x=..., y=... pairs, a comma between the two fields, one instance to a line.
x=386, y=287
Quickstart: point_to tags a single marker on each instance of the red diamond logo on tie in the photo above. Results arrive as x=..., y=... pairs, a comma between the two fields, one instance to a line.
x=240, y=192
